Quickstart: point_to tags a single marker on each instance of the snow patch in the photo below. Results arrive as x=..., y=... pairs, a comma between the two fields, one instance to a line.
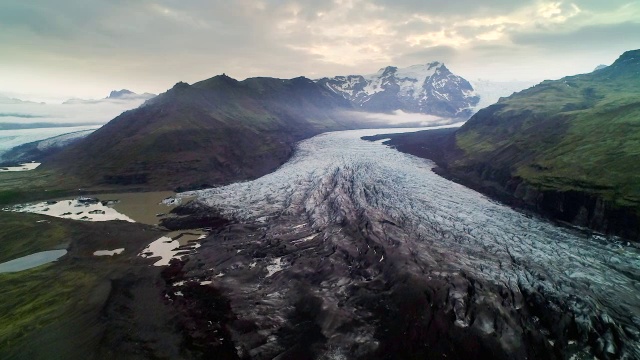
x=21, y=167
x=276, y=266
x=165, y=248
x=108, y=252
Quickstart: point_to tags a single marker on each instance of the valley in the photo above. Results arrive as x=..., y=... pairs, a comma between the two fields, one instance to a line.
x=347, y=237
x=283, y=219
x=566, y=149
x=320, y=180
x=315, y=252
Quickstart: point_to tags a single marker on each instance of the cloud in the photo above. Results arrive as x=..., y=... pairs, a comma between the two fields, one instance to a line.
x=599, y=36
x=61, y=47
x=442, y=53
x=401, y=118
x=79, y=112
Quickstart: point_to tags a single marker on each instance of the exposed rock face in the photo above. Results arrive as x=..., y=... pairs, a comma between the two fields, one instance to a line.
x=353, y=250
x=429, y=89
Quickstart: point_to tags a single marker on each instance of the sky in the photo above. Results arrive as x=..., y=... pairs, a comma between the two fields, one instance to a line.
x=54, y=50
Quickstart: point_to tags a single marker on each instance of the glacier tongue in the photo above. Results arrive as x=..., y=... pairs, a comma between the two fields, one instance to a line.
x=348, y=222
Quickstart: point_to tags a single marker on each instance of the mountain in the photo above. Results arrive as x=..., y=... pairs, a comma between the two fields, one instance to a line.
x=429, y=88
x=120, y=93
x=567, y=148
x=4, y=100
x=115, y=95
x=600, y=67
x=215, y=131
x=127, y=94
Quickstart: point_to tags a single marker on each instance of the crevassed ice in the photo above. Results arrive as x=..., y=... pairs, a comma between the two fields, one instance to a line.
x=334, y=176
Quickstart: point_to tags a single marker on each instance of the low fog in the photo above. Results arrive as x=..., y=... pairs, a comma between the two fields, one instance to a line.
x=16, y=114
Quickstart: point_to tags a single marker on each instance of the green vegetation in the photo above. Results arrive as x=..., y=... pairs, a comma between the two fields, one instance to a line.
x=34, y=298
x=24, y=186
x=577, y=133
x=21, y=235
x=213, y=132
x=38, y=303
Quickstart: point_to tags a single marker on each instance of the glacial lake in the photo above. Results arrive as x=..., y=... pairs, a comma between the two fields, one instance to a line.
x=31, y=261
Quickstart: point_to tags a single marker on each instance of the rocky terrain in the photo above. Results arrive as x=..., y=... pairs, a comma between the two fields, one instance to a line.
x=354, y=250
x=429, y=89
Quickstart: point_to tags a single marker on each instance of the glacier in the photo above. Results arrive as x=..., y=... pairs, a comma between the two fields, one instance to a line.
x=349, y=220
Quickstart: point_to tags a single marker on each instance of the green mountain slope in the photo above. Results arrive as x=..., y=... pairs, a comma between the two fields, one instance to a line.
x=570, y=147
x=214, y=131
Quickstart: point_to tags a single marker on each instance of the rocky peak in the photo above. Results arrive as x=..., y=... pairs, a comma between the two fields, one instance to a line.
x=388, y=71
x=119, y=94
x=428, y=88
x=628, y=58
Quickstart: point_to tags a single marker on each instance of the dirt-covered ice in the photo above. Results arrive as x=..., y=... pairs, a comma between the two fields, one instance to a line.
x=374, y=216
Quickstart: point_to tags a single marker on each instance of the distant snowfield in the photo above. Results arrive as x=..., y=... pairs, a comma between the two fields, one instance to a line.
x=73, y=209
x=491, y=91
x=68, y=115
x=72, y=112
x=12, y=138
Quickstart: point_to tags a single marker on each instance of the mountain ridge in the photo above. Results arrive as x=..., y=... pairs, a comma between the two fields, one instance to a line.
x=214, y=131
x=429, y=88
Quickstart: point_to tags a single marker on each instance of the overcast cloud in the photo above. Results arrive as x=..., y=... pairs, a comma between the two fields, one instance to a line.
x=70, y=48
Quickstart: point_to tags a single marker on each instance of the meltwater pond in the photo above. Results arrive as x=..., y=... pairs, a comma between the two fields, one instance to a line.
x=377, y=209
x=31, y=261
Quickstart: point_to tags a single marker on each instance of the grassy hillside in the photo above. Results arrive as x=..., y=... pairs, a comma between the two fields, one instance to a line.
x=579, y=133
x=212, y=132
x=57, y=308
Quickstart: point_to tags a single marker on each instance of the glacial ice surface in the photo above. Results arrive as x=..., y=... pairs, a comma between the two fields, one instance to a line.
x=336, y=178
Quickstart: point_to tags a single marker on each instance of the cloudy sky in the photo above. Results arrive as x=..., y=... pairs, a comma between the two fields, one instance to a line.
x=85, y=48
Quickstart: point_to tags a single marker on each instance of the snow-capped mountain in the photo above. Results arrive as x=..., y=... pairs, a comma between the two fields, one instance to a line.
x=429, y=89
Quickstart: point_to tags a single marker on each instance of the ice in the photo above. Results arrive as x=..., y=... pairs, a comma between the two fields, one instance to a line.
x=336, y=178
x=13, y=138
x=276, y=266
x=22, y=167
x=108, y=252
x=164, y=247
